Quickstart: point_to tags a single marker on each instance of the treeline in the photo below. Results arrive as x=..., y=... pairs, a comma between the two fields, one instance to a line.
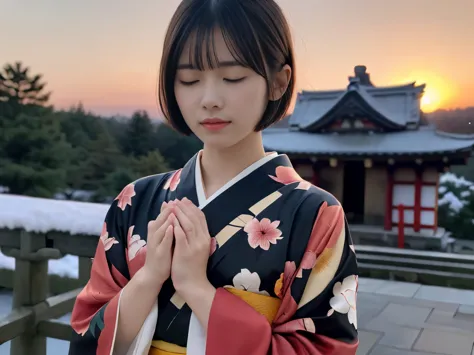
x=75, y=154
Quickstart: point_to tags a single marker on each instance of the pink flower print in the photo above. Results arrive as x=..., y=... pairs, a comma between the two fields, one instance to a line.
x=104, y=237
x=262, y=233
x=125, y=197
x=307, y=263
x=287, y=175
x=135, y=243
x=173, y=181
x=213, y=246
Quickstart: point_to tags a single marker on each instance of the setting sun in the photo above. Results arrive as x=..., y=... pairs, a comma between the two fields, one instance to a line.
x=431, y=100
x=439, y=92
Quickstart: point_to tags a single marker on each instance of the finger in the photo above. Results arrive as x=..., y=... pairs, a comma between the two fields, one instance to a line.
x=155, y=224
x=184, y=221
x=163, y=206
x=179, y=234
x=160, y=233
x=167, y=241
x=196, y=215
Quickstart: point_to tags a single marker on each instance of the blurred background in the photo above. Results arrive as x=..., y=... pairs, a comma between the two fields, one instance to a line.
x=383, y=119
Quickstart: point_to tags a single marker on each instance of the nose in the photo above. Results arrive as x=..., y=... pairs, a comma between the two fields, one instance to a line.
x=212, y=96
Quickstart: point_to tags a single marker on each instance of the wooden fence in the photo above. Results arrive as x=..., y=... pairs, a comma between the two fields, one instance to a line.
x=34, y=310
x=32, y=318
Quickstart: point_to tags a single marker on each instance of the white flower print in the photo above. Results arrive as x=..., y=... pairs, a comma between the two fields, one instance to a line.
x=135, y=243
x=248, y=281
x=106, y=240
x=345, y=297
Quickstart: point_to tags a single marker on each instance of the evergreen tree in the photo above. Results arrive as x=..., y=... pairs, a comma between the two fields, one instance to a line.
x=456, y=206
x=19, y=90
x=34, y=153
x=104, y=158
x=138, y=140
x=177, y=149
x=150, y=164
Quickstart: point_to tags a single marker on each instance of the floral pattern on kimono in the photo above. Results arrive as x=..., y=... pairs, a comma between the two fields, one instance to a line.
x=273, y=234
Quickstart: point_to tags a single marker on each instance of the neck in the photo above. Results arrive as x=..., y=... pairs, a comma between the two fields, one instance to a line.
x=218, y=166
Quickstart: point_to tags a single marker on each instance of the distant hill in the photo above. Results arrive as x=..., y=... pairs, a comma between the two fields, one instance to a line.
x=453, y=121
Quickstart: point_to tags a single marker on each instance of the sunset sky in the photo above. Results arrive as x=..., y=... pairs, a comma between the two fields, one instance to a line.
x=105, y=53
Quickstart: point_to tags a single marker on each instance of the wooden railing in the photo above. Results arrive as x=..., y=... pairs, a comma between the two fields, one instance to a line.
x=32, y=318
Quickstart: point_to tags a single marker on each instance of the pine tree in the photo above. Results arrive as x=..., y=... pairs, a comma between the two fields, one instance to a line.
x=20, y=90
x=138, y=140
x=34, y=153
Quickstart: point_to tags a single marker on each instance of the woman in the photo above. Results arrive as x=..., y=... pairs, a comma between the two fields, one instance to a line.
x=234, y=253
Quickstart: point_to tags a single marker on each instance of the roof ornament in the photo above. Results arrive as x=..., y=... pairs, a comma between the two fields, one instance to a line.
x=360, y=73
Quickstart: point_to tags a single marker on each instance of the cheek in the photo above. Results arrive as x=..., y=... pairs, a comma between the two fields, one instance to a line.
x=185, y=100
x=252, y=98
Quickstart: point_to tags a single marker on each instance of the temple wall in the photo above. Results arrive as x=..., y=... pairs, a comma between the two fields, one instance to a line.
x=331, y=180
x=375, y=195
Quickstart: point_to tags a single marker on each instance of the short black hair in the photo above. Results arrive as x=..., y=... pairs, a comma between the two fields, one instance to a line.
x=255, y=31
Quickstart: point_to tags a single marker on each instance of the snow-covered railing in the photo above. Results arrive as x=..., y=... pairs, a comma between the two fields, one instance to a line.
x=35, y=232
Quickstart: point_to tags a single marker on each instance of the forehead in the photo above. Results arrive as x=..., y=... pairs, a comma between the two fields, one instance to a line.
x=206, y=49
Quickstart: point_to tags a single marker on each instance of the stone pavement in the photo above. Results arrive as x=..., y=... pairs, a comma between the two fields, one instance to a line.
x=396, y=318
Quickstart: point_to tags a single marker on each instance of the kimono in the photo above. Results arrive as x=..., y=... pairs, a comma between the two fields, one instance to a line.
x=281, y=259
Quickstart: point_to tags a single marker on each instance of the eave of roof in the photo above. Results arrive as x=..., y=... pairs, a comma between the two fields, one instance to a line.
x=425, y=140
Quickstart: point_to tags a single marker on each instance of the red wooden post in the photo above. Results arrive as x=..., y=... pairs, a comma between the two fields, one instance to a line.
x=401, y=226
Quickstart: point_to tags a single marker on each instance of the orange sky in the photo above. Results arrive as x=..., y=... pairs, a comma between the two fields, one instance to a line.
x=106, y=53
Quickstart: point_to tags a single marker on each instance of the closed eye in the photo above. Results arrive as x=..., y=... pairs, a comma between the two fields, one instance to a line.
x=188, y=83
x=235, y=80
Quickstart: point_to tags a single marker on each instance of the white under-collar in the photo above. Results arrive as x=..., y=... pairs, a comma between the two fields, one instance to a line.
x=200, y=187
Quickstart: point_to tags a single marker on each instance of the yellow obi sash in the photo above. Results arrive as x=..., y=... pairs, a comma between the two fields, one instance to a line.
x=265, y=305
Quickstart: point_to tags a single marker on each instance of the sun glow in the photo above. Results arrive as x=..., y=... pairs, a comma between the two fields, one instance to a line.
x=438, y=91
x=431, y=100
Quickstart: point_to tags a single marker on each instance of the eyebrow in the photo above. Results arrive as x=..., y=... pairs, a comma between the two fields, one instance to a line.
x=227, y=63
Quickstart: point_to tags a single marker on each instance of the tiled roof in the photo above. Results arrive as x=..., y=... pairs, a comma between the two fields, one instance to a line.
x=425, y=140
x=398, y=108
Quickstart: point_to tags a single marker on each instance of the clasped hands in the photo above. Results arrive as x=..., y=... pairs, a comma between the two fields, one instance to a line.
x=186, y=261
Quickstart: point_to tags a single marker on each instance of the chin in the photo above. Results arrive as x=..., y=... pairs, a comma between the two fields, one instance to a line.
x=219, y=143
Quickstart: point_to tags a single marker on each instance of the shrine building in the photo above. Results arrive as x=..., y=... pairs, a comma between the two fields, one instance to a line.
x=371, y=148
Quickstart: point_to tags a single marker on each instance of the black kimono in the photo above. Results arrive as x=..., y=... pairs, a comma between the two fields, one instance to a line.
x=281, y=259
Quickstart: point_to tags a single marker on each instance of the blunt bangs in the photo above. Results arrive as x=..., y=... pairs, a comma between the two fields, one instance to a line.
x=255, y=32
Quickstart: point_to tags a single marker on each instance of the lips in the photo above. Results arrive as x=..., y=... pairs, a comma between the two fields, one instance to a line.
x=214, y=124
x=214, y=121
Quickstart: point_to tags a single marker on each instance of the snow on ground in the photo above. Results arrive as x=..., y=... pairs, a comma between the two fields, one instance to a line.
x=66, y=266
x=43, y=215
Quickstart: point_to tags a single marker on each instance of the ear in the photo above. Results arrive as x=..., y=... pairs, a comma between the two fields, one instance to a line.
x=280, y=83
